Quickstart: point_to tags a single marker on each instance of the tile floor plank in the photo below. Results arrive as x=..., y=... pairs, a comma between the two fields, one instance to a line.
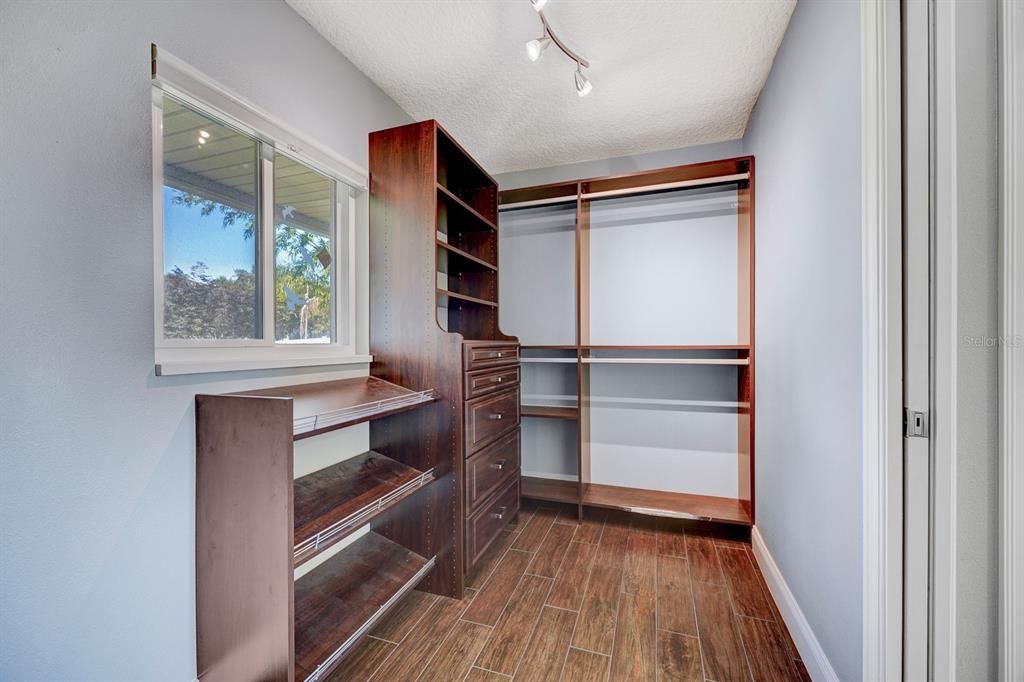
x=633, y=655
x=490, y=601
x=678, y=658
x=508, y=641
x=592, y=527
x=641, y=564
x=596, y=627
x=672, y=537
x=404, y=617
x=360, y=665
x=412, y=655
x=457, y=652
x=675, y=598
x=748, y=597
x=585, y=666
x=571, y=582
x=548, y=647
x=549, y=555
x=703, y=557
x=766, y=650
x=478, y=675
x=720, y=642
x=535, y=530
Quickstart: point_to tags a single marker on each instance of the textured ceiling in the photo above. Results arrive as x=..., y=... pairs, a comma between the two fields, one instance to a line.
x=666, y=73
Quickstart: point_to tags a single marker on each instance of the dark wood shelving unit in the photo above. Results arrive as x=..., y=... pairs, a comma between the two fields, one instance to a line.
x=434, y=323
x=331, y=405
x=549, y=412
x=334, y=501
x=252, y=516
x=342, y=599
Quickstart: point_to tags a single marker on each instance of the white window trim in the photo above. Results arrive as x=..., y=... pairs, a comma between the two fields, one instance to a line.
x=186, y=356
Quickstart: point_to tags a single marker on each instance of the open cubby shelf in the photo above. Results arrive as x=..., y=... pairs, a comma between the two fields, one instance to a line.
x=330, y=405
x=666, y=361
x=342, y=599
x=464, y=259
x=637, y=500
x=549, y=412
x=335, y=501
x=468, y=217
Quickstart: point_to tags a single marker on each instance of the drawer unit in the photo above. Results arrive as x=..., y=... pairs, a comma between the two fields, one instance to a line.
x=490, y=355
x=488, y=417
x=483, y=381
x=490, y=468
x=483, y=527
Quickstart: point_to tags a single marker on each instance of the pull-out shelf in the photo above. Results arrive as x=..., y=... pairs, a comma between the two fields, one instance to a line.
x=333, y=502
x=342, y=599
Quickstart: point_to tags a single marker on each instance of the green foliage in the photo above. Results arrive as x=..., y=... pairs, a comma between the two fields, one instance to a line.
x=198, y=306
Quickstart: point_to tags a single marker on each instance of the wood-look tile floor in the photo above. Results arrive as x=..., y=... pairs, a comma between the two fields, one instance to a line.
x=618, y=597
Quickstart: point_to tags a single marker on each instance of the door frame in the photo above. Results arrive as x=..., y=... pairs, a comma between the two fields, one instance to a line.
x=1011, y=331
x=882, y=381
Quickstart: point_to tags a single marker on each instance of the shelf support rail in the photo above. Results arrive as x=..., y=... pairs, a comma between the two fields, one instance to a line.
x=330, y=661
x=321, y=421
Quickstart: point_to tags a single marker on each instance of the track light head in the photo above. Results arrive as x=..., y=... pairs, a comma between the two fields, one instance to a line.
x=583, y=84
x=538, y=4
x=535, y=48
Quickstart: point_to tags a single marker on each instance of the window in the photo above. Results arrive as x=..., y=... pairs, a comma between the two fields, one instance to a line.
x=254, y=235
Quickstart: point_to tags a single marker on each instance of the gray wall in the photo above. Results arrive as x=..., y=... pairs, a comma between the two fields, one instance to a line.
x=97, y=463
x=976, y=380
x=805, y=134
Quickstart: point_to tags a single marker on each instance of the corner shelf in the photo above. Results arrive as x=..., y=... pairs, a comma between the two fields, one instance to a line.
x=549, y=412
x=342, y=599
x=666, y=361
x=333, y=502
x=329, y=405
x=639, y=501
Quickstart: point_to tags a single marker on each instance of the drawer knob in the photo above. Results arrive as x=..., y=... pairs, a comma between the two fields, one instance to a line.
x=496, y=380
x=500, y=465
x=500, y=514
x=497, y=415
x=500, y=354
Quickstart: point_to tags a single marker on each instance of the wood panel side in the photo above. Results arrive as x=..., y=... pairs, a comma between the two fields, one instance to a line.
x=244, y=527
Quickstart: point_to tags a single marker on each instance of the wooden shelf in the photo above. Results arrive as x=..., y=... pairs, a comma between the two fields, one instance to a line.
x=666, y=361
x=340, y=601
x=555, y=361
x=546, y=347
x=466, y=258
x=329, y=405
x=476, y=218
x=639, y=501
x=445, y=293
x=333, y=502
x=549, y=412
x=550, y=489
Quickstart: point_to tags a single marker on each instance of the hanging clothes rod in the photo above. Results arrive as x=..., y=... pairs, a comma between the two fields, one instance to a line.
x=696, y=182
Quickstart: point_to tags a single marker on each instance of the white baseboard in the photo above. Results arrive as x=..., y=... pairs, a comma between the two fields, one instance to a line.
x=814, y=658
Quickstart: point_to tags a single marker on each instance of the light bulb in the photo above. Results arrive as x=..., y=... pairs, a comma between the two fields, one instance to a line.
x=538, y=4
x=583, y=84
x=535, y=48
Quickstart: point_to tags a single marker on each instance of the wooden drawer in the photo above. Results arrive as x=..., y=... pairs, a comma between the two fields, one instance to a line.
x=494, y=355
x=489, y=469
x=483, y=527
x=489, y=417
x=484, y=381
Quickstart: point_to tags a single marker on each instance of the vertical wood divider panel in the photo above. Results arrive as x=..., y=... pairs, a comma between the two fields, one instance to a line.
x=244, y=584
x=582, y=340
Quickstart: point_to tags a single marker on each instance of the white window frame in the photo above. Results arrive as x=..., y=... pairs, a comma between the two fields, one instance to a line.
x=190, y=356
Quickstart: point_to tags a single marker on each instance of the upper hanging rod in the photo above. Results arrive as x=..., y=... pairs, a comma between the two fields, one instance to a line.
x=696, y=182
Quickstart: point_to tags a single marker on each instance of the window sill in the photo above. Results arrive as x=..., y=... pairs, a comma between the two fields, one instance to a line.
x=184, y=366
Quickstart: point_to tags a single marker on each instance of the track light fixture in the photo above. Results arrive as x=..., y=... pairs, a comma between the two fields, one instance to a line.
x=535, y=48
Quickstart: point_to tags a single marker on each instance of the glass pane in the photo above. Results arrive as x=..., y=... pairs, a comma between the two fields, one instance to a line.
x=210, y=200
x=303, y=253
